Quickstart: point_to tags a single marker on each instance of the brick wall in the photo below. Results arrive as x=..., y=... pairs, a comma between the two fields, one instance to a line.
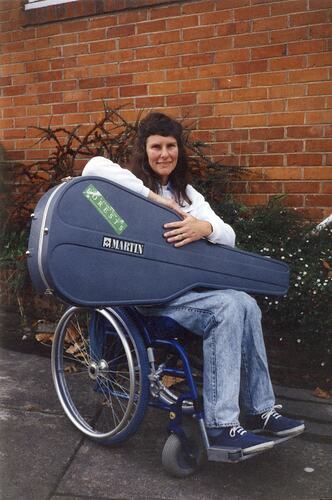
x=255, y=74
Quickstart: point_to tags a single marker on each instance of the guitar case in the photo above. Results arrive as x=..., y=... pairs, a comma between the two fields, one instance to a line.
x=95, y=243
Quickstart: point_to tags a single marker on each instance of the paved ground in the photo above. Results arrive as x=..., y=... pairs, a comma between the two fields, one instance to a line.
x=43, y=457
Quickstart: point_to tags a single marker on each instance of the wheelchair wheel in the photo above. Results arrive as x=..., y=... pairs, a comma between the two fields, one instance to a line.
x=176, y=460
x=100, y=371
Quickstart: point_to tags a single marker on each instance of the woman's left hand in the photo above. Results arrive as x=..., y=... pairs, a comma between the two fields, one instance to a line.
x=187, y=230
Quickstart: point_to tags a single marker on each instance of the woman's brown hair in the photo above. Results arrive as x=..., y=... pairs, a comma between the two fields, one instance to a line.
x=160, y=124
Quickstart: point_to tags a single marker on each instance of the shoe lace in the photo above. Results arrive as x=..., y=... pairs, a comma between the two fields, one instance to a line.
x=271, y=413
x=237, y=429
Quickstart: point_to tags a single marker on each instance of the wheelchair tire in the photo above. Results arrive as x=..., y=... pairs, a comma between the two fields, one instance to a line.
x=100, y=371
x=175, y=460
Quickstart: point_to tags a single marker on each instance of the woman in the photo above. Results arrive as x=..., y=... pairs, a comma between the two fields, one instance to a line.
x=235, y=366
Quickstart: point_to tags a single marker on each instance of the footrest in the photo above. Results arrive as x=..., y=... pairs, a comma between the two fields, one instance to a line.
x=231, y=455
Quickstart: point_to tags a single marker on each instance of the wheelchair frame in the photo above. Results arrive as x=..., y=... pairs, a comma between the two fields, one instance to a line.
x=110, y=354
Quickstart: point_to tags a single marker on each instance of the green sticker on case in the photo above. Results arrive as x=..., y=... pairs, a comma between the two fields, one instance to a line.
x=105, y=209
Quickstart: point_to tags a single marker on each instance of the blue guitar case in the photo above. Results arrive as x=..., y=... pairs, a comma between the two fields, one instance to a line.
x=94, y=243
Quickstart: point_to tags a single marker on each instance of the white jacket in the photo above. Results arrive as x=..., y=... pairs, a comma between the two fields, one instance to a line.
x=199, y=208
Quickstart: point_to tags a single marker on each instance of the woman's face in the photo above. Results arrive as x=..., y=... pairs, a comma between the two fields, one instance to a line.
x=163, y=155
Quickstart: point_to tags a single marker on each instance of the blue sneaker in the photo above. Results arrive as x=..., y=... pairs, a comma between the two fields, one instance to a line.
x=271, y=422
x=236, y=437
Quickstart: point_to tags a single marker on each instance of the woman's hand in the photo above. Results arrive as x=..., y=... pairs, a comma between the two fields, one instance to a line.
x=187, y=230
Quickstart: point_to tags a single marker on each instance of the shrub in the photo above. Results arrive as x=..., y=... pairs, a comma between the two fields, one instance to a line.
x=299, y=325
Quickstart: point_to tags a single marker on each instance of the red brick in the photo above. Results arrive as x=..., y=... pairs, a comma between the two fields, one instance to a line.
x=248, y=94
x=26, y=100
x=300, y=160
x=268, y=79
x=308, y=75
x=302, y=187
x=178, y=74
x=134, y=41
x=164, y=12
x=309, y=18
x=196, y=86
x=231, y=82
x=306, y=47
x=149, y=77
x=327, y=187
x=285, y=146
x=75, y=119
x=232, y=135
x=92, y=35
x=233, y=108
x=64, y=85
x=267, y=106
x=64, y=41
x=250, y=67
x=321, y=31
x=317, y=173
x=324, y=59
x=197, y=59
x=283, y=173
x=214, y=123
x=287, y=91
x=305, y=131
x=49, y=76
x=119, y=80
x=103, y=46
x=133, y=90
x=321, y=88
x=40, y=109
x=195, y=7
x=252, y=12
x=216, y=18
x=285, y=7
x=295, y=118
x=150, y=26
x=49, y=98
x=66, y=62
x=164, y=63
x=90, y=106
x=152, y=52
x=250, y=121
x=247, y=147
x=215, y=44
x=166, y=37
x=215, y=70
x=62, y=109
x=214, y=96
x=14, y=112
x=122, y=31
x=319, y=117
x=163, y=88
x=265, y=160
x=306, y=103
x=74, y=26
x=270, y=23
x=88, y=83
x=181, y=100
x=251, y=40
x=268, y=52
x=287, y=63
x=131, y=16
x=14, y=90
x=267, y=133
x=150, y=102
x=315, y=200
x=75, y=95
x=232, y=55
x=127, y=67
x=288, y=35
x=319, y=145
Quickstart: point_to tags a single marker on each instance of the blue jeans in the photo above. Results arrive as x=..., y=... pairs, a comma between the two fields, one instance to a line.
x=236, y=373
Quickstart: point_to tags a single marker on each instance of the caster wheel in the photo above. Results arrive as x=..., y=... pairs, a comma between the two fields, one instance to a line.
x=175, y=459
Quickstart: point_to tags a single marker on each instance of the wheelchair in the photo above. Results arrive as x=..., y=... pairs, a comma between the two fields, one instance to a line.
x=110, y=364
